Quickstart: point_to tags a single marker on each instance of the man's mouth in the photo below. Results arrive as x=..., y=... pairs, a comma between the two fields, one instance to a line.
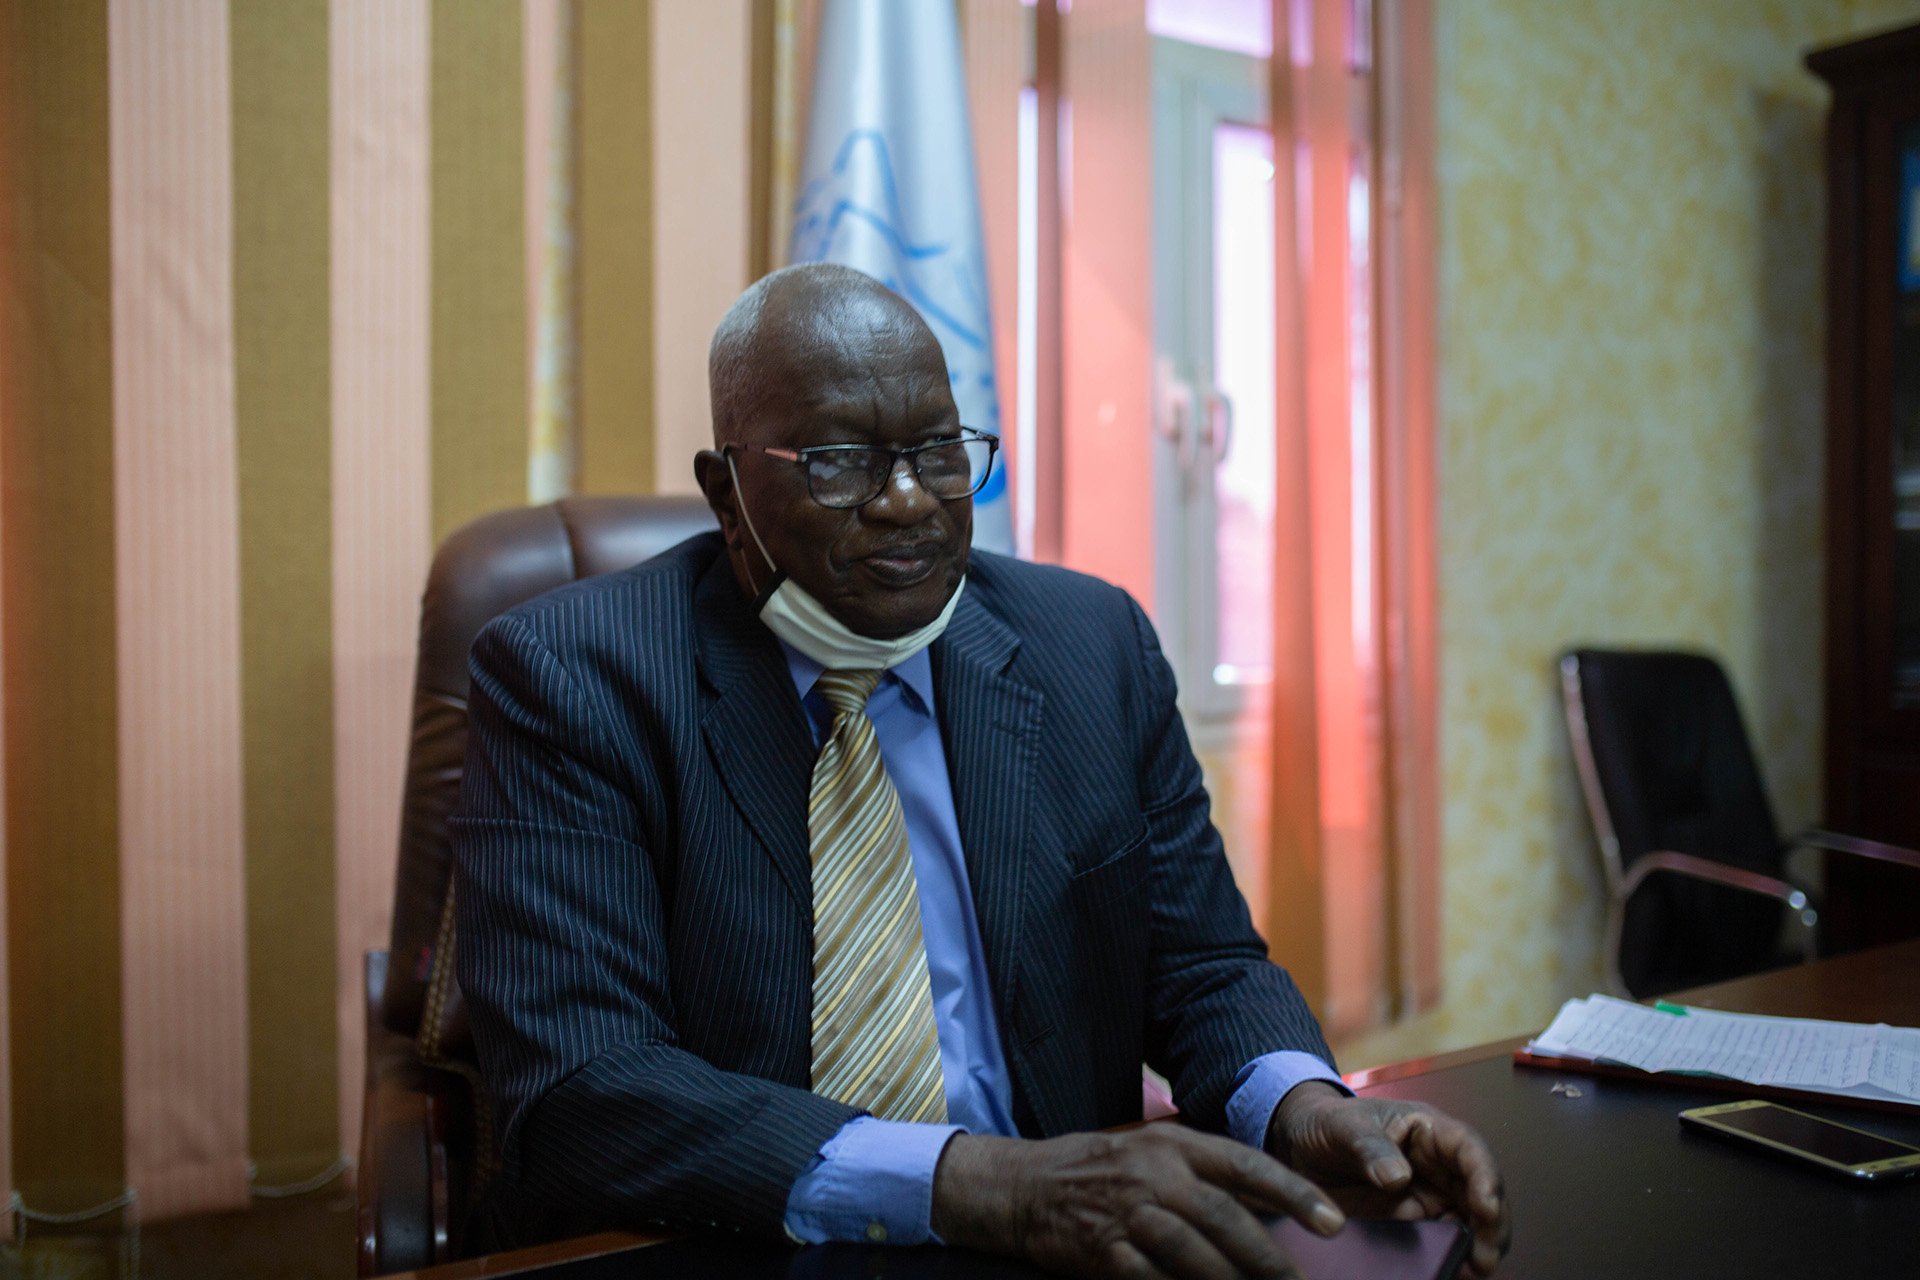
x=903, y=566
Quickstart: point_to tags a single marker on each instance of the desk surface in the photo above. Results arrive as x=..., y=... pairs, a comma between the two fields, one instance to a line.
x=1603, y=1184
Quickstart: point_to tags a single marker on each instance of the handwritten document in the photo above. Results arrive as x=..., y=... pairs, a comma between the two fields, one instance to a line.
x=1848, y=1058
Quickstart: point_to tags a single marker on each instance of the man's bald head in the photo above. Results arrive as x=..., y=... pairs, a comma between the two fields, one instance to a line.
x=804, y=327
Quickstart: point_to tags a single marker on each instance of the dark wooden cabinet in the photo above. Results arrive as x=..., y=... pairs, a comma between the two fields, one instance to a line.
x=1873, y=475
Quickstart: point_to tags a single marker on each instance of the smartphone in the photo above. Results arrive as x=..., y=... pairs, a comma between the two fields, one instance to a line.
x=1837, y=1148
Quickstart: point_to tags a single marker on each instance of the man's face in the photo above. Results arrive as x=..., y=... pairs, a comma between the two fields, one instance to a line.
x=889, y=566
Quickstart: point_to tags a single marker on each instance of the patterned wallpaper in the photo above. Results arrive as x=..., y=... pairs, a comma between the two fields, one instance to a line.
x=1631, y=381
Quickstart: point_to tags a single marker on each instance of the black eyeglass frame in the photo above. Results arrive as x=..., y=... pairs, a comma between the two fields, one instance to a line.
x=803, y=456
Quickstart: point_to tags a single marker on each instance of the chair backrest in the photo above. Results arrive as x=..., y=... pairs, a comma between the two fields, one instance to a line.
x=1666, y=764
x=482, y=569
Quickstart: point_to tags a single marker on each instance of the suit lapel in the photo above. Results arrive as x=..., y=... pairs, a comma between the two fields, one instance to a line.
x=755, y=727
x=991, y=721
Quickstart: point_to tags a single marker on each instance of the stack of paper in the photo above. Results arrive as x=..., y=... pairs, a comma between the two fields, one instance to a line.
x=1846, y=1058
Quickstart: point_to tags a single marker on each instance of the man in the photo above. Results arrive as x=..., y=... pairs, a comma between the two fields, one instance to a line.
x=818, y=878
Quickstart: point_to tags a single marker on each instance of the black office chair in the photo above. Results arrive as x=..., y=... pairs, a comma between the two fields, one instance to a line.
x=1695, y=865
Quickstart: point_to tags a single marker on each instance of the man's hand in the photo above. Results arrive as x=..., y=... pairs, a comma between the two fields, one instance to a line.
x=1382, y=1158
x=1145, y=1204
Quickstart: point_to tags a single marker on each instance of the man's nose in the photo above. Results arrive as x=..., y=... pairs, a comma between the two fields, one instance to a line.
x=902, y=500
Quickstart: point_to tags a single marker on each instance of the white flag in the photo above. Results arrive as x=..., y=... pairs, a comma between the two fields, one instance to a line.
x=887, y=187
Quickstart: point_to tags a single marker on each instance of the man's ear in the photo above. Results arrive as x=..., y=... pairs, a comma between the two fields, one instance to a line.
x=715, y=479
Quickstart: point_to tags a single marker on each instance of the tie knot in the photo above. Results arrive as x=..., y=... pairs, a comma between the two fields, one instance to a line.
x=847, y=691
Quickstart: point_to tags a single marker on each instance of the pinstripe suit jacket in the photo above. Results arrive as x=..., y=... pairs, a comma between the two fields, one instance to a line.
x=635, y=913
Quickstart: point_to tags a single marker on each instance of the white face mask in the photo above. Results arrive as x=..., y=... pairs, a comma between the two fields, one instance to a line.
x=793, y=614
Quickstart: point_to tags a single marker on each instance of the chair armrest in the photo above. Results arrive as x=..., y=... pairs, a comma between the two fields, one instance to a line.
x=400, y=1191
x=1697, y=868
x=1686, y=864
x=395, y=1190
x=1834, y=842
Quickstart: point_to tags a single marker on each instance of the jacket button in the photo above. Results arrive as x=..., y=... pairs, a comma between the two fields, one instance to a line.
x=876, y=1233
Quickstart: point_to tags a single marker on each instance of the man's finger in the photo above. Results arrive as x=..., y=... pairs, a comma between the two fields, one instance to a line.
x=1127, y=1263
x=1485, y=1256
x=1230, y=1228
x=1373, y=1142
x=1259, y=1180
x=1176, y=1247
x=1411, y=1203
x=1493, y=1230
x=1431, y=1202
x=1385, y=1165
x=1484, y=1193
x=1461, y=1159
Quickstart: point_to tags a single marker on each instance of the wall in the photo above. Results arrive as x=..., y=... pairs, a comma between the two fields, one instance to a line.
x=1630, y=344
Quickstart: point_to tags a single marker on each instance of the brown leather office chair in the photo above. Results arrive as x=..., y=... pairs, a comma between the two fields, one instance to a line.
x=426, y=1141
x=1696, y=868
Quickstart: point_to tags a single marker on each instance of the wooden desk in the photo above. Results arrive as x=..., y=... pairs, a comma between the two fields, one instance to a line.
x=1604, y=1184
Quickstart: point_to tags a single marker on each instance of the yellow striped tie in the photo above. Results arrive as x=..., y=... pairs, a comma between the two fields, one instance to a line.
x=874, y=1043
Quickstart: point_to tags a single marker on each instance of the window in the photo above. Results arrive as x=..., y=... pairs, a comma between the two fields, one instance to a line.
x=1276, y=429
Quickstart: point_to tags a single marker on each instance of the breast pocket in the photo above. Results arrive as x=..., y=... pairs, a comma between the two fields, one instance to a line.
x=1111, y=916
x=1114, y=879
x=1112, y=911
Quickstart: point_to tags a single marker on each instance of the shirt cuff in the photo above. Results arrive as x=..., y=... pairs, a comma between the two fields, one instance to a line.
x=1262, y=1083
x=872, y=1181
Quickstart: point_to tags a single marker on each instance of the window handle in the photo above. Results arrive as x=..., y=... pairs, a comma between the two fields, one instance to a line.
x=1219, y=425
x=1175, y=415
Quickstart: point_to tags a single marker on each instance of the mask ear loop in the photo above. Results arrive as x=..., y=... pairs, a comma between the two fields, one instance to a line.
x=740, y=505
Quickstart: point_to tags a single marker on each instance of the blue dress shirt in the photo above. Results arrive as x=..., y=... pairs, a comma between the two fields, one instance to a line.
x=873, y=1180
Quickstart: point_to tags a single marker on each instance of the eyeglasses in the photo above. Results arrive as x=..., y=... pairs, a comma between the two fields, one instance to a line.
x=851, y=475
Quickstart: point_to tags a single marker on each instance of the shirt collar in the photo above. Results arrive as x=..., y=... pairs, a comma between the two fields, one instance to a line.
x=915, y=675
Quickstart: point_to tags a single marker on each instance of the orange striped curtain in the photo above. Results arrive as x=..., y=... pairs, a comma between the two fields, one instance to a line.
x=1355, y=785
x=176, y=602
x=1351, y=887
x=288, y=291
